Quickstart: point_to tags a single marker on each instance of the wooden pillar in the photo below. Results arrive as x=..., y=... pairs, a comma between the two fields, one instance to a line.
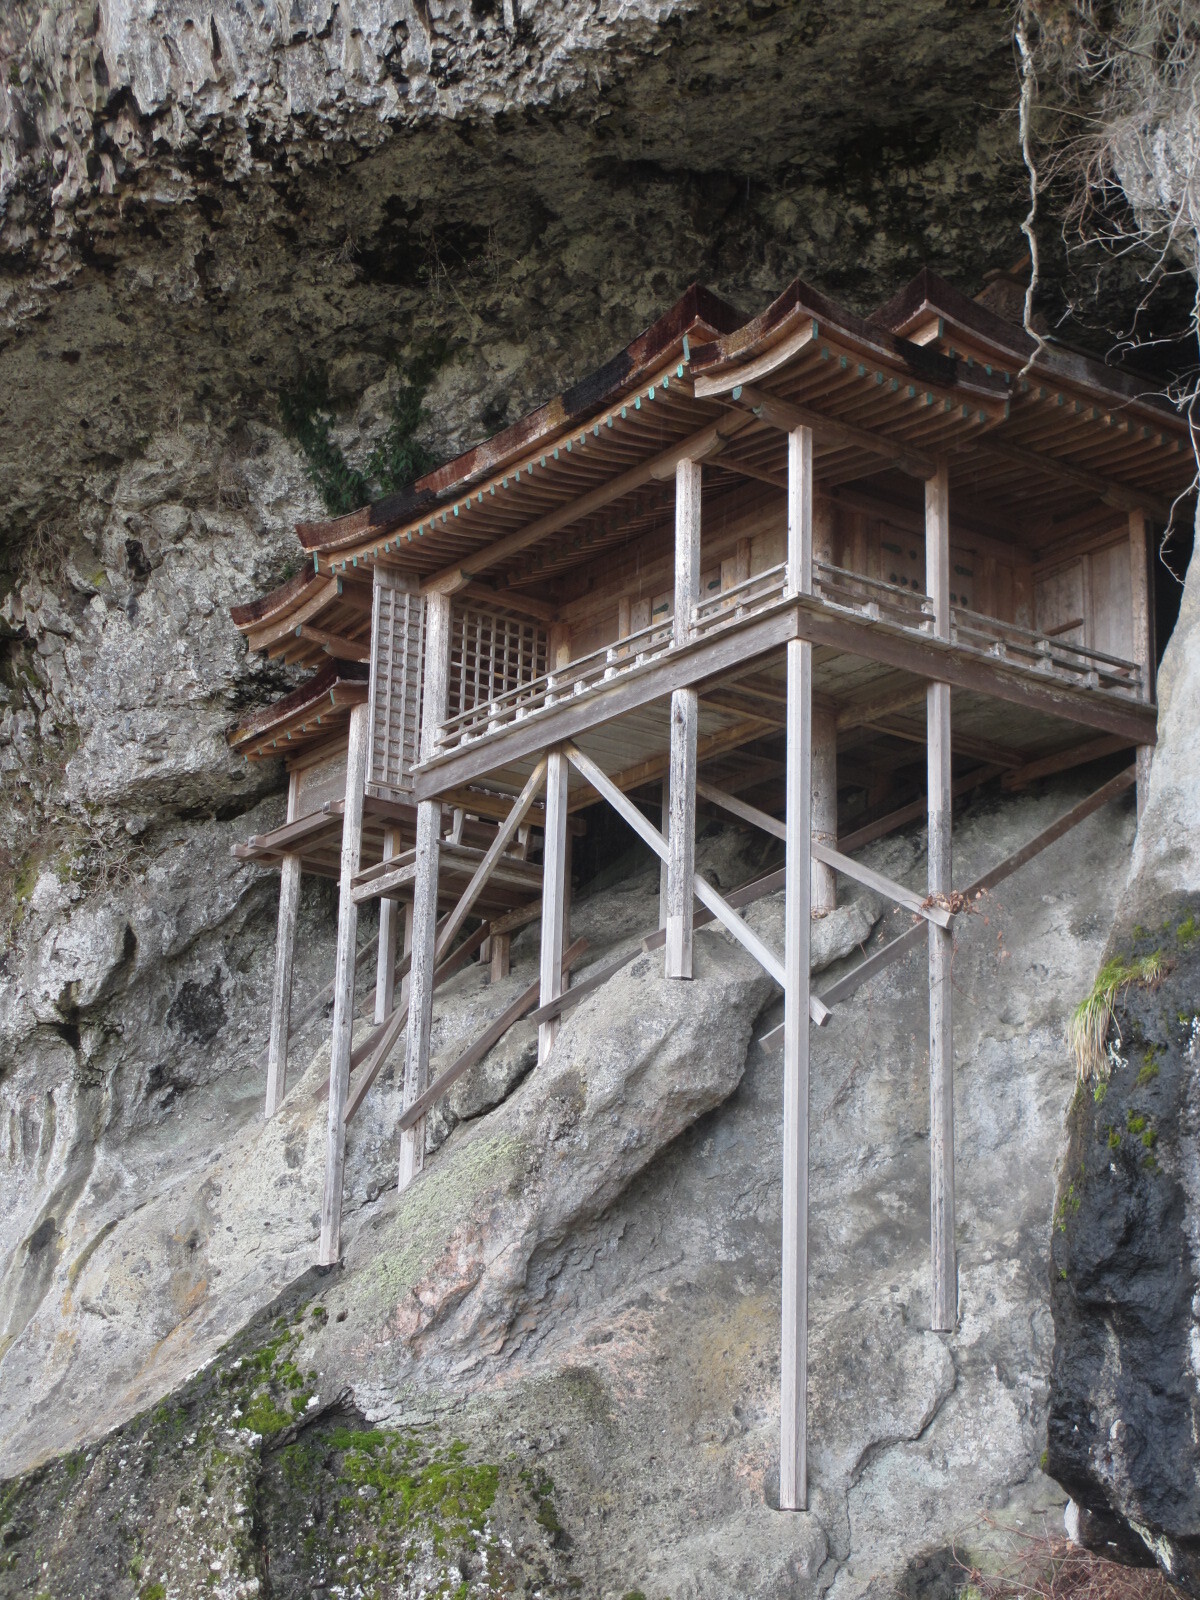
x=824, y=740
x=343, y=988
x=685, y=724
x=385, y=961
x=285, y=946
x=1143, y=636
x=824, y=806
x=665, y=830
x=793, y=1385
x=944, y=1263
x=434, y=703
x=555, y=892
x=501, y=957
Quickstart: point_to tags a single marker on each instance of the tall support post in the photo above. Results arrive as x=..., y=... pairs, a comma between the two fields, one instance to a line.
x=685, y=725
x=385, y=961
x=944, y=1262
x=665, y=830
x=343, y=988
x=555, y=892
x=1143, y=636
x=435, y=700
x=824, y=806
x=824, y=741
x=285, y=946
x=793, y=1385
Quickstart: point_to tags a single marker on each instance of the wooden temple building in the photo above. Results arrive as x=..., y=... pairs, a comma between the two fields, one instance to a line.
x=824, y=573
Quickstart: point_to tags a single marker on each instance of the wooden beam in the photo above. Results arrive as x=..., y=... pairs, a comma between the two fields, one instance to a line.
x=882, y=958
x=488, y=1039
x=378, y=1045
x=504, y=836
x=863, y=713
x=1143, y=632
x=1063, y=761
x=741, y=809
x=343, y=990
x=285, y=945
x=721, y=909
x=944, y=1266
x=823, y=898
x=697, y=446
x=511, y=600
x=789, y=417
x=685, y=726
x=1105, y=489
x=798, y=999
x=435, y=694
x=389, y=916
x=554, y=894
x=340, y=648
x=903, y=815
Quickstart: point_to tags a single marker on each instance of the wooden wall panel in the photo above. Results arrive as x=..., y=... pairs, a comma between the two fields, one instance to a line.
x=1112, y=602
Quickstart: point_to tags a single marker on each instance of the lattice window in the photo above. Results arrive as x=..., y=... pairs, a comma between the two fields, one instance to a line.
x=397, y=648
x=491, y=654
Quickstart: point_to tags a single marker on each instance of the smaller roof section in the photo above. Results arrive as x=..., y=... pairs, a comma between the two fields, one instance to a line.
x=697, y=317
x=317, y=711
x=309, y=619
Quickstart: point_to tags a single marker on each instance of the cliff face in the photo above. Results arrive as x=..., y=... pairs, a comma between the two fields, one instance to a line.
x=203, y=208
x=1126, y=1284
x=551, y=1364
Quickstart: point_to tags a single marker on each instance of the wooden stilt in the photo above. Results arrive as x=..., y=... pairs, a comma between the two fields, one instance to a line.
x=665, y=822
x=385, y=966
x=554, y=895
x=285, y=944
x=434, y=701
x=685, y=725
x=681, y=834
x=944, y=1265
x=824, y=807
x=1143, y=637
x=793, y=1384
x=501, y=957
x=343, y=993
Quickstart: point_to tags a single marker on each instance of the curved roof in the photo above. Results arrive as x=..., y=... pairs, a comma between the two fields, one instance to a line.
x=314, y=711
x=309, y=619
x=1029, y=433
x=698, y=314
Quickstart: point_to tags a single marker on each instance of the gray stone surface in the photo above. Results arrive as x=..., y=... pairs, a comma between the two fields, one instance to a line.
x=588, y=1274
x=1125, y=1411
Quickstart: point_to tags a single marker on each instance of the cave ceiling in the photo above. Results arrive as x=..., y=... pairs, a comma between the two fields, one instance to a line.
x=196, y=216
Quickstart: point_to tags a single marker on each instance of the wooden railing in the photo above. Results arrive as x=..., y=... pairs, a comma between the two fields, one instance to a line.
x=1005, y=641
x=577, y=677
x=836, y=587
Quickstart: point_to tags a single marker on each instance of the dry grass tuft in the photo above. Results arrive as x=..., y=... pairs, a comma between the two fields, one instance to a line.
x=1045, y=1566
x=1089, y=1023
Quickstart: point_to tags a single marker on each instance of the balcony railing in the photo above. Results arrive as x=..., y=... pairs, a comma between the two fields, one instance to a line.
x=868, y=598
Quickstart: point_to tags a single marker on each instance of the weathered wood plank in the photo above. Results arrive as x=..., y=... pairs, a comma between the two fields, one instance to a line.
x=389, y=918
x=434, y=703
x=554, y=894
x=285, y=945
x=343, y=991
x=944, y=1267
